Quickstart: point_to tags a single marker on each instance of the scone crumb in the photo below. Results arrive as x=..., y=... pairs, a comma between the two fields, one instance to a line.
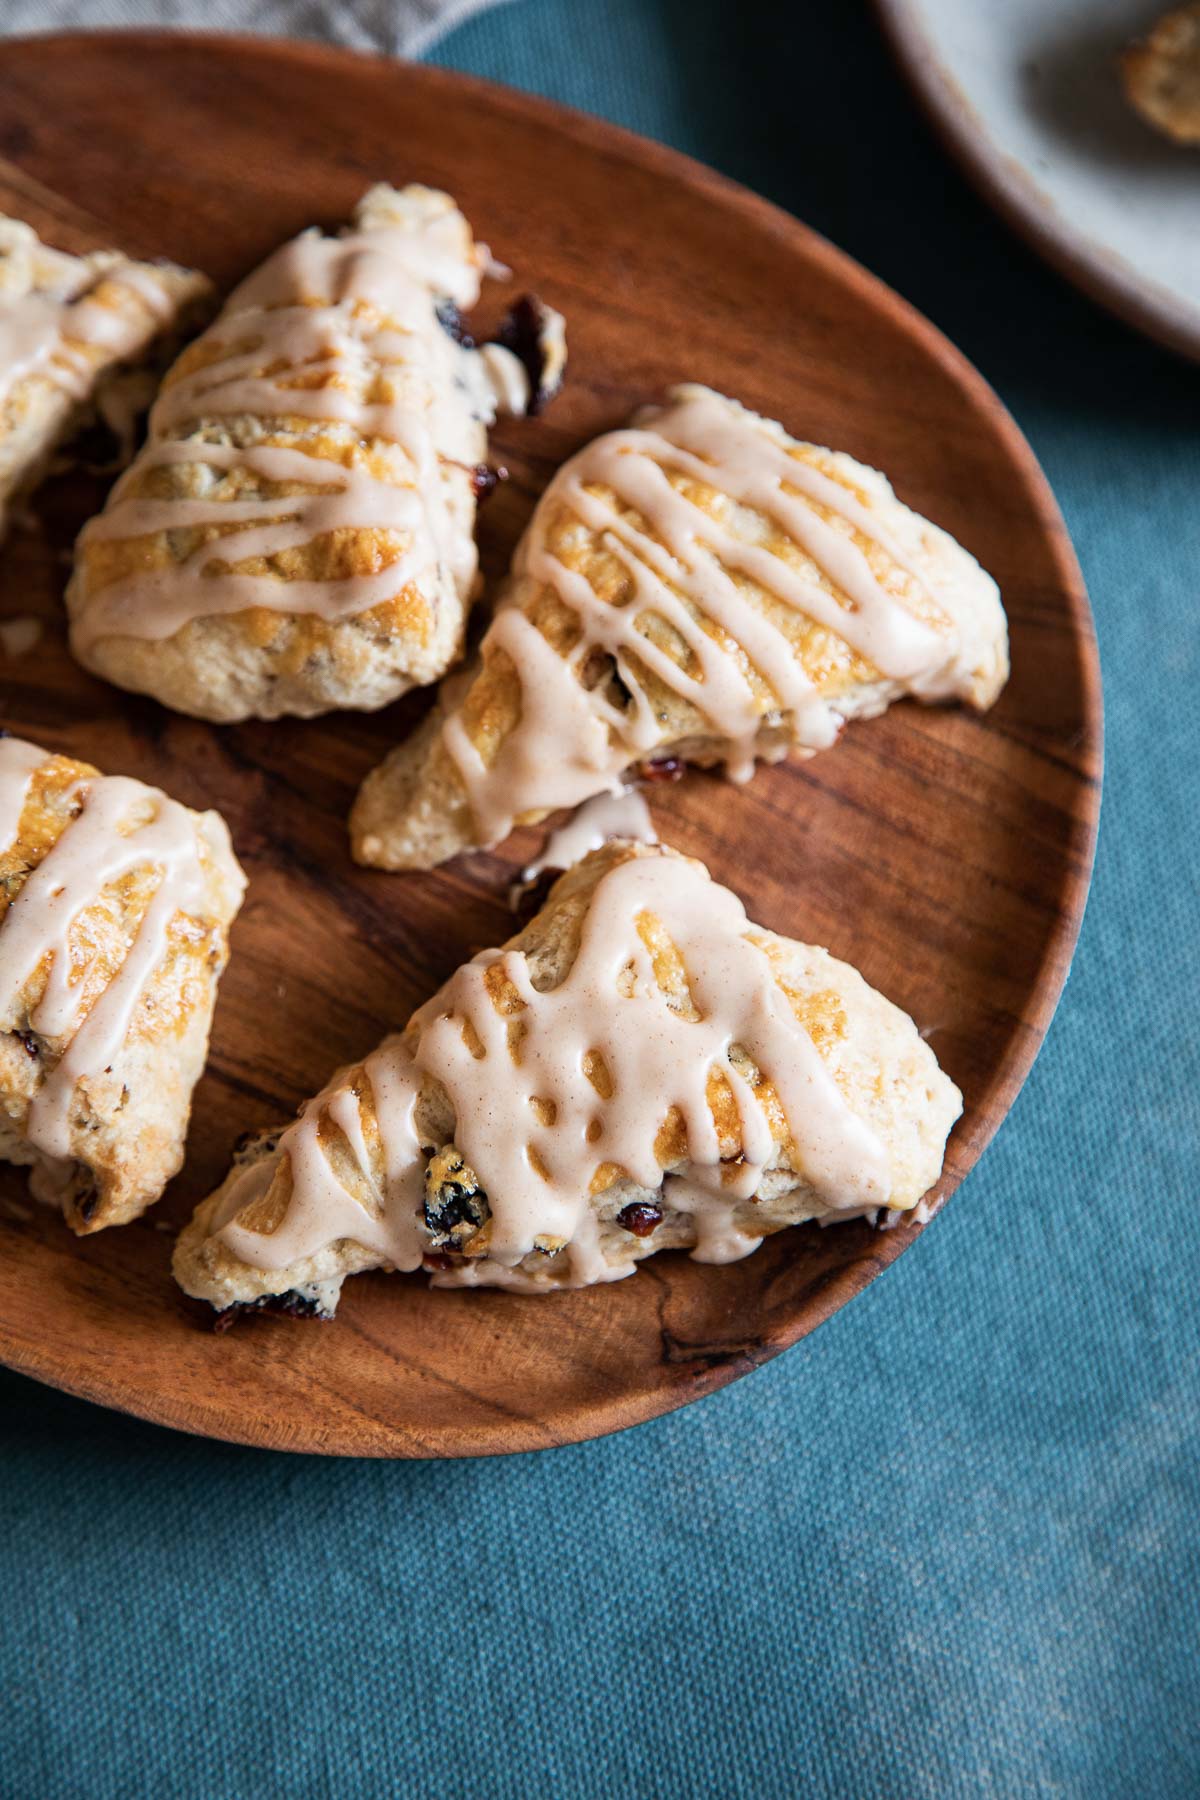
x=1161, y=75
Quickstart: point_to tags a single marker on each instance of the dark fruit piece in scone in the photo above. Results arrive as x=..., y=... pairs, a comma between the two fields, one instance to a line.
x=528, y=331
x=455, y=1203
x=453, y=324
x=281, y=1306
x=640, y=1217
x=485, y=479
x=662, y=768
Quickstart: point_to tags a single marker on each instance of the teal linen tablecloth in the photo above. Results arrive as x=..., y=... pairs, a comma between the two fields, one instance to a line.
x=947, y=1547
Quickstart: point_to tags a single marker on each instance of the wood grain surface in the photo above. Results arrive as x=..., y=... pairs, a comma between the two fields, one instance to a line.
x=946, y=856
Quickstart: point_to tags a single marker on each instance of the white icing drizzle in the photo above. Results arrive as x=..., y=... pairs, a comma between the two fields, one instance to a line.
x=322, y=1210
x=18, y=763
x=507, y=377
x=359, y=314
x=96, y=849
x=684, y=567
x=54, y=334
x=603, y=817
x=30, y=331
x=535, y=1126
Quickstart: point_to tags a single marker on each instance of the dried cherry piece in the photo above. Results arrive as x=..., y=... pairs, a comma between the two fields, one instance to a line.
x=485, y=480
x=640, y=1218
x=284, y=1306
x=522, y=333
x=453, y=324
x=661, y=768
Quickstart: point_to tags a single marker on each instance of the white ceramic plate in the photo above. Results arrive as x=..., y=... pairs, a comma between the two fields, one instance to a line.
x=1027, y=94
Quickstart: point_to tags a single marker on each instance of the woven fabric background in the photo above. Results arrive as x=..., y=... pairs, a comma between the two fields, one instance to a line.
x=389, y=26
x=950, y=1545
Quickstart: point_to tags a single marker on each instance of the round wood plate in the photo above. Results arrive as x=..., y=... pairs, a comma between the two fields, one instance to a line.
x=947, y=856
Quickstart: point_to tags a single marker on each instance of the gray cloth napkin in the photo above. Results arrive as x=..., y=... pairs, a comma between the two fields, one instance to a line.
x=407, y=26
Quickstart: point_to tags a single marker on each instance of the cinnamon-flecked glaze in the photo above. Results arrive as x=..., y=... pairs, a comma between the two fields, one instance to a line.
x=70, y=328
x=115, y=907
x=623, y=814
x=641, y=1068
x=297, y=534
x=699, y=585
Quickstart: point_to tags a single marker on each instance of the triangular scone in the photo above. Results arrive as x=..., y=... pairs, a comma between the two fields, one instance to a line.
x=641, y=1069
x=699, y=587
x=298, y=533
x=71, y=327
x=115, y=907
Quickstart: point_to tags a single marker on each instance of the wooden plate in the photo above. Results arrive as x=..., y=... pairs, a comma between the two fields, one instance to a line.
x=947, y=856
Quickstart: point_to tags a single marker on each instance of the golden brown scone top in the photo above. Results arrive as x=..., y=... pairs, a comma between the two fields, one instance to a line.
x=115, y=904
x=298, y=532
x=76, y=334
x=701, y=587
x=640, y=1068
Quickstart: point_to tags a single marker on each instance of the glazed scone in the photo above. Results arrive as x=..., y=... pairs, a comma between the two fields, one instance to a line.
x=115, y=907
x=71, y=327
x=1162, y=75
x=298, y=533
x=641, y=1069
x=699, y=587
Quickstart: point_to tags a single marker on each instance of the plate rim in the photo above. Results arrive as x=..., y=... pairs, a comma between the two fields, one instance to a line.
x=1100, y=272
x=594, y=1418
